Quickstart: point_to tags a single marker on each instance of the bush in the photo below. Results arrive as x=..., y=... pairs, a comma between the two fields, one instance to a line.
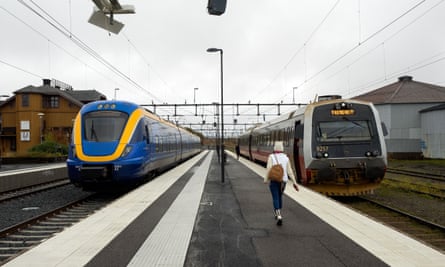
x=49, y=148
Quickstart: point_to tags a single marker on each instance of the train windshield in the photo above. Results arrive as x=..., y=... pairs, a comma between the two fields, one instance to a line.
x=104, y=126
x=346, y=130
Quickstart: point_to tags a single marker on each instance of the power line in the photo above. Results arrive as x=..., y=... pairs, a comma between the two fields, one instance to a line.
x=21, y=69
x=410, y=68
x=303, y=46
x=67, y=33
x=348, y=52
x=53, y=43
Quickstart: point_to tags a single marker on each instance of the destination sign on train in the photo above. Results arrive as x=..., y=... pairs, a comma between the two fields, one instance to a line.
x=342, y=112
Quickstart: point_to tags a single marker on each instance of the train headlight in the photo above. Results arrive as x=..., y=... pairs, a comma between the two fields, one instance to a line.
x=127, y=151
x=374, y=153
x=320, y=155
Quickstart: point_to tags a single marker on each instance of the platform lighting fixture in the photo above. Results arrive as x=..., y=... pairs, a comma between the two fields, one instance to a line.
x=115, y=94
x=1, y=130
x=216, y=50
x=293, y=93
x=194, y=95
x=40, y=114
x=109, y=7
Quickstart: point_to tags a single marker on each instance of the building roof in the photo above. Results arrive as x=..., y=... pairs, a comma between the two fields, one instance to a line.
x=405, y=91
x=78, y=97
x=86, y=96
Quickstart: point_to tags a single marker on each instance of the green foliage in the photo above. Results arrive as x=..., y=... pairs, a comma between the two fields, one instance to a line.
x=49, y=148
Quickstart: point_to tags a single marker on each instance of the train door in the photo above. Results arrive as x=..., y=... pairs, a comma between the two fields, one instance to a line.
x=298, y=152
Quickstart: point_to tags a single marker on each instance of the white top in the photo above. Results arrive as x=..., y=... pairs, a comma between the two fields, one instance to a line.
x=284, y=161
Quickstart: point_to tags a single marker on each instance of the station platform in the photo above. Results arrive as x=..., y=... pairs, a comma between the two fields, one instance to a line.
x=188, y=217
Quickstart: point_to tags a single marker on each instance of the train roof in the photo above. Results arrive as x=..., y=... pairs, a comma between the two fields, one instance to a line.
x=299, y=111
x=282, y=118
x=130, y=107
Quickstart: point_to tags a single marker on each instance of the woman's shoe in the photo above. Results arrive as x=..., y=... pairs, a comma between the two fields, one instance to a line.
x=279, y=220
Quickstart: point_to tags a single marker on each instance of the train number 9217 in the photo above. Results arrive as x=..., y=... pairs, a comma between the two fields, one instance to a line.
x=322, y=148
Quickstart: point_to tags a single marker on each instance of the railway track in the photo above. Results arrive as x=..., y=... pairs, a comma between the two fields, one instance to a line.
x=32, y=189
x=418, y=174
x=423, y=182
x=19, y=238
x=418, y=228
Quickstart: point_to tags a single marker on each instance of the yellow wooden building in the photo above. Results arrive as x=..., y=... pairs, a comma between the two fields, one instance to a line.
x=35, y=112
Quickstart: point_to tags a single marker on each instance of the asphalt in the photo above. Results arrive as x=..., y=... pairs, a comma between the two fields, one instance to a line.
x=235, y=227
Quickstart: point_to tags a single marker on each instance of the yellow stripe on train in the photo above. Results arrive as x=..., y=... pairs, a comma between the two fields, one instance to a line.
x=124, y=140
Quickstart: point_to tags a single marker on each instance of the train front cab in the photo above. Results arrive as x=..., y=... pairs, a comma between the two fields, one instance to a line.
x=340, y=154
x=115, y=159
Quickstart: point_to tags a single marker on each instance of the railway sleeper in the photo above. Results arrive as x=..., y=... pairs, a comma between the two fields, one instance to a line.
x=39, y=227
x=63, y=219
x=40, y=231
x=18, y=244
x=73, y=215
x=55, y=224
x=21, y=237
x=6, y=252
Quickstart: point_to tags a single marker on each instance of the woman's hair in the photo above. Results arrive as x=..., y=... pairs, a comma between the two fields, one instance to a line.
x=278, y=146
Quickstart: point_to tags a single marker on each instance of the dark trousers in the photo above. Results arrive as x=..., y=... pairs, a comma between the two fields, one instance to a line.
x=277, y=190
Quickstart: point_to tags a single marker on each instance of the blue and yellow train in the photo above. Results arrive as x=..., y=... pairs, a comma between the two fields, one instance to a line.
x=118, y=142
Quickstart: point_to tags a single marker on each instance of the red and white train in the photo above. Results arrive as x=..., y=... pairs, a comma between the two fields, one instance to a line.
x=336, y=146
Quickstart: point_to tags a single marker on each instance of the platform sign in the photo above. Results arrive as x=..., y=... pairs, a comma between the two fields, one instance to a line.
x=24, y=125
x=25, y=136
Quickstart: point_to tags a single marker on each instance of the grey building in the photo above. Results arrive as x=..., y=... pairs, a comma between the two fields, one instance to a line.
x=409, y=110
x=433, y=132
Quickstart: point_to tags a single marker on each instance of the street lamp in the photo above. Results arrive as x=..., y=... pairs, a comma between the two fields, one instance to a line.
x=115, y=90
x=293, y=93
x=41, y=126
x=1, y=133
x=216, y=50
x=194, y=95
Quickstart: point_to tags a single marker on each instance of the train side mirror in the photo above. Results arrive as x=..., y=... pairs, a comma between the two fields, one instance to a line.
x=216, y=7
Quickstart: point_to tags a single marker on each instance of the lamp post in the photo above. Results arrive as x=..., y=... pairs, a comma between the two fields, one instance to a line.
x=194, y=95
x=293, y=93
x=41, y=126
x=1, y=133
x=216, y=50
x=115, y=95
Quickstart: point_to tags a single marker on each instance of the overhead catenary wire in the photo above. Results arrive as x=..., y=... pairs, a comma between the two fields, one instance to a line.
x=66, y=32
x=382, y=44
x=54, y=44
x=349, y=51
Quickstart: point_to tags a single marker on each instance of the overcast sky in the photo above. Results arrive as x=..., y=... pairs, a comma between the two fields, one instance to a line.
x=321, y=47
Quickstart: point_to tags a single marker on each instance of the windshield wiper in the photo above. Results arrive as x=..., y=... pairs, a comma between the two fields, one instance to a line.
x=354, y=122
x=93, y=132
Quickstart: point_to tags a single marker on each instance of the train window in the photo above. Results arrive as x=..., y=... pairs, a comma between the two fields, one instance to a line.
x=157, y=143
x=104, y=126
x=346, y=130
x=286, y=137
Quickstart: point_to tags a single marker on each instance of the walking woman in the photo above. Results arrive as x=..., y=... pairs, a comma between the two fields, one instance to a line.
x=277, y=188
